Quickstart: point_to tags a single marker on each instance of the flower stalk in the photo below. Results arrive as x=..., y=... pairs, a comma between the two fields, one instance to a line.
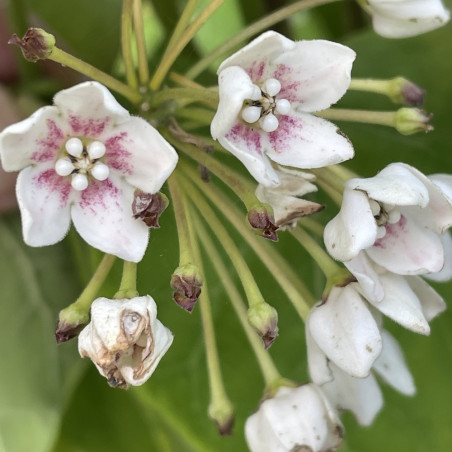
x=126, y=43
x=143, y=70
x=128, y=287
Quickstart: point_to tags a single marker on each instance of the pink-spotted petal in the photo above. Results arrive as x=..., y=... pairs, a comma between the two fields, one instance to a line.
x=90, y=109
x=305, y=141
x=245, y=143
x=36, y=139
x=408, y=249
x=140, y=154
x=314, y=74
x=44, y=201
x=103, y=218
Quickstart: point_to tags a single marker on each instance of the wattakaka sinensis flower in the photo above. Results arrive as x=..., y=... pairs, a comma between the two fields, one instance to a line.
x=83, y=158
x=268, y=91
x=404, y=18
x=396, y=218
x=294, y=419
x=125, y=340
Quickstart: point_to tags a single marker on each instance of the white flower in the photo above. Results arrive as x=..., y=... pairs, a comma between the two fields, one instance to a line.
x=268, y=91
x=363, y=396
x=404, y=18
x=285, y=198
x=83, y=158
x=294, y=419
x=396, y=217
x=125, y=340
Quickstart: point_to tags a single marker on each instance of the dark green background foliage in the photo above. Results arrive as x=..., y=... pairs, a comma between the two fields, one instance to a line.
x=50, y=399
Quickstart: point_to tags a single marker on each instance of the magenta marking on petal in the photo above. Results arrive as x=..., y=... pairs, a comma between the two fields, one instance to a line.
x=393, y=233
x=117, y=156
x=48, y=146
x=89, y=127
x=256, y=70
x=49, y=181
x=100, y=196
x=245, y=137
x=289, y=83
x=282, y=138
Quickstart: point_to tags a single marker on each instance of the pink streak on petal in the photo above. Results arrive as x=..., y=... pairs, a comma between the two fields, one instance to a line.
x=256, y=70
x=289, y=83
x=393, y=233
x=48, y=146
x=99, y=196
x=247, y=136
x=282, y=138
x=88, y=127
x=117, y=156
x=50, y=182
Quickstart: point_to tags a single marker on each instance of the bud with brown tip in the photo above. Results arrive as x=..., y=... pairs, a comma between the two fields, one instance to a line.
x=412, y=120
x=36, y=44
x=264, y=319
x=149, y=207
x=71, y=321
x=262, y=221
x=186, y=282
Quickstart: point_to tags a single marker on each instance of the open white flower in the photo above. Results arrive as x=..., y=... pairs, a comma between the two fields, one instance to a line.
x=396, y=217
x=268, y=91
x=125, y=340
x=294, y=419
x=404, y=18
x=83, y=158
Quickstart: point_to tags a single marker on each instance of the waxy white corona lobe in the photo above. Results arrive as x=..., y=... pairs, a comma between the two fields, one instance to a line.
x=81, y=160
x=268, y=91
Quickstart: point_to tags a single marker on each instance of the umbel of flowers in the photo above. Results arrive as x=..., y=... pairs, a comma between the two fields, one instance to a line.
x=88, y=161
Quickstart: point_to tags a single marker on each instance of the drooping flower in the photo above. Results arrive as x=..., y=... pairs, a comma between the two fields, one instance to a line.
x=268, y=92
x=285, y=199
x=294, y=419
x=404, y=18
x=396, y=218
x=125, y=340
x=83, y=158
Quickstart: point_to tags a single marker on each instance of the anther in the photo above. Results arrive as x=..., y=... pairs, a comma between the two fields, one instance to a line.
x=79, y=182
x=251, y=114
x=271, y=87
x=394, y=216
x=96, y=150
x=64, y=166
x=282, y=106
x=269, y=123
x=381, y=232
x=74, y=147
x=100, y=171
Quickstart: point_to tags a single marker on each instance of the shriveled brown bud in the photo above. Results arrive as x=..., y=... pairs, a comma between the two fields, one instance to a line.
x=149, y=207
x=186, y=282
x=36, y=44
x=262, y=221
x=71, y=321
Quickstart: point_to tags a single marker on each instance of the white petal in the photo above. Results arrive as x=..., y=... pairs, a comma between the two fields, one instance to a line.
x=305, y=141
x=432, y=303
x=103, y=217
x=445, y=274
x=401, y=304
x=345, y=330
x=36, y=139
x=362, y=396
x=235, y=87
x=408, y=248
x=319, y=370
x=391, y=366
x=140, y=154
x=44, y=200
x=314, y=74
x=353, y=229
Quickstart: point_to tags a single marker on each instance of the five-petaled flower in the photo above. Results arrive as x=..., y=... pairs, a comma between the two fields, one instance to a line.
x=268, y=91
x=125, y=340
x=401, y=19
x=83, y=158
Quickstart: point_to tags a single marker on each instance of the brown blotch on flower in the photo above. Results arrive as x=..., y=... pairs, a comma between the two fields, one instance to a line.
x=262, y=221
x=148, y=207
x=36, y=44
x=186, y=283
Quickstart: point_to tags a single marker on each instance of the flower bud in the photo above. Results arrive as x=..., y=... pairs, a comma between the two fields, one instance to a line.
x=264, y=319
x=405, y=92
x=186, y=282
x=70, y=322
x=412, y=120
x=262, y=221
x=223, y=416
x=149, y=207
x=125, y=340
x=36, y=44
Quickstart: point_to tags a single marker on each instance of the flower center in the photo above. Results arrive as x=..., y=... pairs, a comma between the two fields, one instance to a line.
x=264, y=106
x=384, y=214
x=82, y=161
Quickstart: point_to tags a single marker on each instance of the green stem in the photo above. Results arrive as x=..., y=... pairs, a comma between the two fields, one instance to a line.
x=126, y=43
x=65, y=59
x=370, y=85
x=201, y=115
x=203, y=95
x=252, y=30
x=143, y=70
x=184, y=39
x=128, y=287
x=290, y=282
x=382, y=118
x=266, y=364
